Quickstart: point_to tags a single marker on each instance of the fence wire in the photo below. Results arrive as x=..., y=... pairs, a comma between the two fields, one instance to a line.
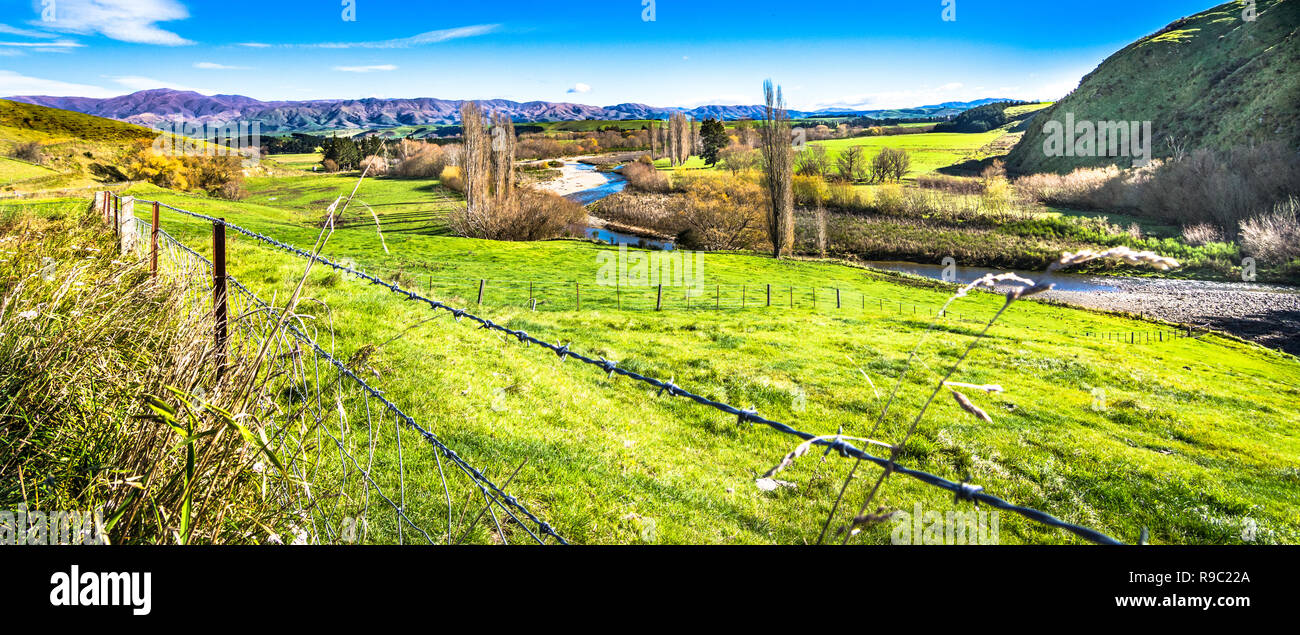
x=961, y=491
x=342, y=439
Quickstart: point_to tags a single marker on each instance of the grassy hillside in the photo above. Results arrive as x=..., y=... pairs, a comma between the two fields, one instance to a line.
x=1209, y=80
x=1177, y=449
x=28, y=122
x=75, y=147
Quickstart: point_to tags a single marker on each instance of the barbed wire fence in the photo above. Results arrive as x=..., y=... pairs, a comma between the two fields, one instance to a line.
x=832, y=443
x=357, y=469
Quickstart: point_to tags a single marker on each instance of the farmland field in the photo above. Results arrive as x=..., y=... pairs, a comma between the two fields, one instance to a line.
x=1179, y=450
x=12, y=171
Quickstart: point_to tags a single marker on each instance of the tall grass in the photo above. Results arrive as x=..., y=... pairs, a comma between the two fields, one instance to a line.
x=109, y=399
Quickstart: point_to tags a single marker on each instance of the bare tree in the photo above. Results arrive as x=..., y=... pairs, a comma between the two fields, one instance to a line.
x=812, y=161
x=778, y=168
x=851, y=163
x=503, y=156
x=476, y=164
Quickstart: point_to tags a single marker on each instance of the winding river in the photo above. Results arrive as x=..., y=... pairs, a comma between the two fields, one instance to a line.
x=1268, y=314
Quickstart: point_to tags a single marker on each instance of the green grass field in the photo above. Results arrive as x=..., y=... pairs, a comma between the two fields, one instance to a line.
x=1196, y=439
x=13, y=171
x=929, y=151
x=304, y=162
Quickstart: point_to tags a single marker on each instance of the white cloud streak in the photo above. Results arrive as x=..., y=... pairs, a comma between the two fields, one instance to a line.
x=366, y=69
x=14, y=84
x=123, y=20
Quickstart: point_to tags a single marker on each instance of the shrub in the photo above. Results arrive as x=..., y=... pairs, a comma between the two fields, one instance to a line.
x=724, y=212
x=452, y=178
x=809, y=190
x=1201, y=234
x=232, y=191
x=330, y=165
x=425, y=162
x=375, y=165
x=645, y=178
x=527, y=214
x=1274, y=237
x=890, y=165
x=952, y=184
x=30, y=152
x=1222, y=188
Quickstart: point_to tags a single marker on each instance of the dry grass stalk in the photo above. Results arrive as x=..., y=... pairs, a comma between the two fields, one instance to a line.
x=966, y=405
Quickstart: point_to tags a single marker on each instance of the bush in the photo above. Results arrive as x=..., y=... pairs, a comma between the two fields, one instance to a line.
x=809, y=190
x=330, y=165
x=375, y=165
x=1201, y=234
x=425, y=162
x=645, y=178
x=232, y=191
x=452, y=178
x=724, y=212
x=952, y=184
x=890, y=165
x=29, y=152
x=527, y=215
x=1222, y=188
x=1274, y=237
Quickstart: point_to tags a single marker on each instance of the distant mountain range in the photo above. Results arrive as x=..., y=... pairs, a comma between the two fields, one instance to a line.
x=161, y=106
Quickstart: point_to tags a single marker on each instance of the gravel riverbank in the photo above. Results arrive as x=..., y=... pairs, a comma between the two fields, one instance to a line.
x=1266, y=314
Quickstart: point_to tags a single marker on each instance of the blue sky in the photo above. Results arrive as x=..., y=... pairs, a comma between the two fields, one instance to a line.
x=832, y=53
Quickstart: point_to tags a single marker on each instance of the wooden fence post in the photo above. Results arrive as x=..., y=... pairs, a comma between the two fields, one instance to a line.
x=792, y=297
x=481, y=283
x=153, y=243
x=659, y=298
x=117, y=210
x=744, y=289
x=126, y=233
x=219, y=293
x=717, y=297
x=577, y=295
x=837, y=297
x=769, y=295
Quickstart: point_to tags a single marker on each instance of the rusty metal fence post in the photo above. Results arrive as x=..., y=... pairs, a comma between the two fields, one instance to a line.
x=220, y=332
x=153, y=243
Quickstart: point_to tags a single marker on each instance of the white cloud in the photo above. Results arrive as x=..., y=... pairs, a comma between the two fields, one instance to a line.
x=428, y=37
x=124, y=20
x=212, y=66
x=12, y=84
x=255, y=45
x=9, y=30
x=136, y=82
x=53, y=46
x=366, y=69
x=580, y=88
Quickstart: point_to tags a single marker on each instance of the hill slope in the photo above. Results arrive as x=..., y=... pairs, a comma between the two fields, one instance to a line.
x=1209, y=80
x=30, y=122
